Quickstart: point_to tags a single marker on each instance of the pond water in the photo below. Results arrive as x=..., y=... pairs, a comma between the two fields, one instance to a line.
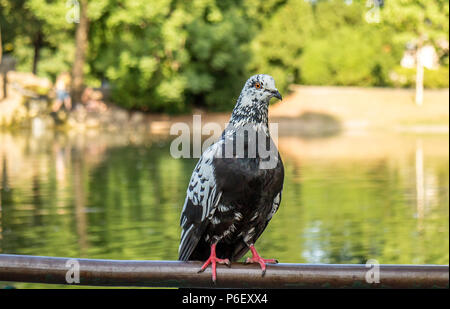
x=346, y=199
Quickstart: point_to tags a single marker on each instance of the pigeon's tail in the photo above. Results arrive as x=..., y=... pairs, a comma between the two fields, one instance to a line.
x=189, y=241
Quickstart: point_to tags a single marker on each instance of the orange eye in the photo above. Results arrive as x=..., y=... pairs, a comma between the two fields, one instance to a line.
x=257, y=85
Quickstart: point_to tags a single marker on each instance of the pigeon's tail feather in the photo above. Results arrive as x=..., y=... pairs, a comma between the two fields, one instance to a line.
x=187, y=246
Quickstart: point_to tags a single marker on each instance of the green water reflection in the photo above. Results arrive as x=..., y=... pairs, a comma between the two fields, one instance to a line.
x=118, y=197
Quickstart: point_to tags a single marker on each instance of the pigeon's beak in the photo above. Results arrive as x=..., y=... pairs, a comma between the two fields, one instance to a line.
x=277, y=94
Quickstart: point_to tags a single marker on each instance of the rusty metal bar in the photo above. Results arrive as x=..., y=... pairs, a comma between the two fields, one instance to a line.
x=24, y=268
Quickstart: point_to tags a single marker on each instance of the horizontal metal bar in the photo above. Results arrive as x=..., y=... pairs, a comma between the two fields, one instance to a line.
x=24, y=268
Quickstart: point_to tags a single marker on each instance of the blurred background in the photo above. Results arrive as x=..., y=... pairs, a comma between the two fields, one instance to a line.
x=89, y=90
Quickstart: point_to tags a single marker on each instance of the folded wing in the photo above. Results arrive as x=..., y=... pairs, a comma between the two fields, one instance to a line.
x=202, y=198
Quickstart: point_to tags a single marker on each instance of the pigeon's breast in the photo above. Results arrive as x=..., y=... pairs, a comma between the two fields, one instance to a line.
x=246, y=187
x=240, y=179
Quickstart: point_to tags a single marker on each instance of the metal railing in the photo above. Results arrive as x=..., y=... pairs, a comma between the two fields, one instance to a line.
x=55, y=270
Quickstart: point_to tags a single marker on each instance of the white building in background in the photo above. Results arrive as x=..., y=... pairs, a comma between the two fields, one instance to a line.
x=428, y=57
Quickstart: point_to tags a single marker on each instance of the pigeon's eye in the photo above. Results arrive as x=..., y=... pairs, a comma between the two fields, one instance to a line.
x=257, y=85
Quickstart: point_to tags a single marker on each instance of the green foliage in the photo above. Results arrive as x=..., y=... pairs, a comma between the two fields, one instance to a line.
x=369, y=52
x=38, y=28
x=171, y=55
x=331, y=43
x=219, y=51
x=410, y=19
x=280, y=40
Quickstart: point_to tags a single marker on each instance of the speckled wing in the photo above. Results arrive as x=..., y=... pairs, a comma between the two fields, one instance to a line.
x=242, y=248
x=275, y=205
x=202, y=198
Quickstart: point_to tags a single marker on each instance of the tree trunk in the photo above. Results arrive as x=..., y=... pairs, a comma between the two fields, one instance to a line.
x=3, y=80
x=37, y=43
x=81, y=45
x=1, y=50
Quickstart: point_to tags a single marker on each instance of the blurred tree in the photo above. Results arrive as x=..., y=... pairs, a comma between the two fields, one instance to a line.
x=218, y=52
x=1, y=47
x=38, y=35
x=21, y=21
x=280, y=39
x=410, y=19
x=169, y=55
x=324, y=43
x=349, y=57
x=419, y=22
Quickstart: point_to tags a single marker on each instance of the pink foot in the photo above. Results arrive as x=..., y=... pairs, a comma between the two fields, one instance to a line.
x=257, y=259
x=213, y=260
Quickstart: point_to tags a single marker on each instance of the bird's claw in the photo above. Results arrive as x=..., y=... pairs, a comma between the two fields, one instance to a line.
x=213, y=261
x=262, y=262
x=257, y=259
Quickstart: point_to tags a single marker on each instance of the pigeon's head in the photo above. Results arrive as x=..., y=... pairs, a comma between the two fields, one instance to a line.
x=261, y=87
x=254, y=99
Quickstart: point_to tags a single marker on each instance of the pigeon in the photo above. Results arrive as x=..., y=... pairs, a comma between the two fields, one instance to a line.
x=234, y=191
